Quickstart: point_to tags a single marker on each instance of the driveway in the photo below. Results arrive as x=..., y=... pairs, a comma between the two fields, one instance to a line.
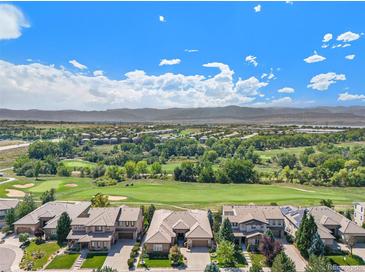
x=197, y=258
x=293, y=253
x=7, y=258
x=11, y=254
x=358, y=249
x=119, y=254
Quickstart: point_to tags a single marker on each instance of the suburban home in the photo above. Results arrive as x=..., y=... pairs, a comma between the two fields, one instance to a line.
x=5, y=205
x=331, y=224
x=190, y=228
x=250, y=222
x=359, y=212
x=46, y=217
x=100, y=228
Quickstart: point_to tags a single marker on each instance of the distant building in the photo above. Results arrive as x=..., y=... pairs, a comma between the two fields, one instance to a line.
x=359, y=212
x=203, y=139
x=5, y=206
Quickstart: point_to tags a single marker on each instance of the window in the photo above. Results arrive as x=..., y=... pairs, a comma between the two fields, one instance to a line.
x=98, y=228
x=126, y=223
x=157, y=247
x=133, y=224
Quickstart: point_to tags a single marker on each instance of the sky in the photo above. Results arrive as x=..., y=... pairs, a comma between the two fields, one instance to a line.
x=107, y=55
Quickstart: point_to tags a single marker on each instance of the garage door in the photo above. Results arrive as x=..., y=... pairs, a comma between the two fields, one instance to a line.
x=360, y=239
x=125, y=235
x=199, y=243
x=23, y=230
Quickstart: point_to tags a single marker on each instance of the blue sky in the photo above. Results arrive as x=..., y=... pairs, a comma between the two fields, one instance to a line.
x=79, y=55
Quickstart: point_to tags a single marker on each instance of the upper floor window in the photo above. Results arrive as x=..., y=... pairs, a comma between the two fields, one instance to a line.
x=98, y=228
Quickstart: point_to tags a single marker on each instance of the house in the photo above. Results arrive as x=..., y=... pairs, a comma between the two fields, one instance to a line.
x=250, y=222
x=100, y=228
x=168, y=227
x=47, y=215
x=359, y=211
x=5, y=206
x=331, y=224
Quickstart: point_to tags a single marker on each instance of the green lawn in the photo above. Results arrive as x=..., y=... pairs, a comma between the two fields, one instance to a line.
x=151, y=263
x=94, y=260
x=193, y=195
x=64, y=261
x=346, y=260
x=257, y=258
x=78, y=164
x=39, y=254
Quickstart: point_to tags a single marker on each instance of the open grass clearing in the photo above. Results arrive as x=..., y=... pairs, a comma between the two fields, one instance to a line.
x=346, y=260
x=39, y=254
x=78, y=164
x=64, y=261
x=94, y=260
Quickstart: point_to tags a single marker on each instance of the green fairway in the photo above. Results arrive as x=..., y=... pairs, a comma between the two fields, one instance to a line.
x=166, y=193
x=77, y=164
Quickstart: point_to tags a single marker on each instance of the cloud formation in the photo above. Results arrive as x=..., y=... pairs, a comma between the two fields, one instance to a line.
x=350, y=97
x=252, y=60
x=322, y=81
x=327, y=37
x=257, y=8
x=22, y=86
x=98, y=73
x=286, y=90
x=314, y=58
x=350, y=57
x=169, y=62
x=191, y=50
x=77, y=64
x=12, y=21
x=348, y=37
x=162, y=18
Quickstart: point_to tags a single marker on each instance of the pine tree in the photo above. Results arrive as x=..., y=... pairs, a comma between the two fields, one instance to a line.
x=306, y=230
x=63, y=227
x=25, y=207
x=210, y=218
x=269, y=234
x=318, y=264
x=212, y=267
x=317, y=246
x=282, y=263
x=225, y=231
x=149, y=214
x=10, y=218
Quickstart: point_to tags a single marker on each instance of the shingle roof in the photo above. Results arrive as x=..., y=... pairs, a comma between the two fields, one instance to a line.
x=6, y=204
x=99, y=216
x=242, y=214
x=53, y=210
x=130, y=214
x=164, y=222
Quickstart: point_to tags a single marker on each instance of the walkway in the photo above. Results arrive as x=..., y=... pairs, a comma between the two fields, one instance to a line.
x=246, y=255
x=293, y=253
x=80, y=260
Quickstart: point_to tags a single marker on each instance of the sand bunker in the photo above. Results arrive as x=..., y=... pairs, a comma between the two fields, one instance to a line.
x=71, y=185
x=15, y=193
x=117, y=198
x=24, y=186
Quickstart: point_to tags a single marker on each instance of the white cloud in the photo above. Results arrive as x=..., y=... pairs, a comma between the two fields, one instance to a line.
x=12, y=21
x=98, y=73
x=162, y=18
x=346, y=45
x=252, y=60
x=77, y=64
x=191, y=50
x=314, y=58
x=324, y=80
x=169, y=62
x=21, y=86
x=286, y=90
x=257, y=8
x=348, y=36
x=350, y=57
x=281, y=102
x=324, y=46
x=327, y=37
x=350, y=97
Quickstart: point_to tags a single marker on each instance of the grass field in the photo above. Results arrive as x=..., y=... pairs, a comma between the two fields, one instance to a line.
x=78, y=164
x=64, y=261
x=346, y=260
x=45, y=250
x=196, y=195
x=94, y=260
x=7, y=157
x=153, y=263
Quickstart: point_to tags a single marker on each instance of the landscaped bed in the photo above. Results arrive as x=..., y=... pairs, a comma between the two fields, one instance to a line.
x=257, y=259
x=37, y=256
x=94, y=260
x=346, y=260
x=64, y=261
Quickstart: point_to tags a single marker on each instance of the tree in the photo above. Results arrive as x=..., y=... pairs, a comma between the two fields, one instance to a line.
x=225, y=231
x=63, y=171
x=10, y=218
x=269, y=247
x=318, y=264
x=175, y=256
x=23, y=237
x=149, y=214
x=256, y=267
x=210, y=218
x=130, y=168
x=286, y=159
x=25, y=207
x=239, y=171
x=350, y=242
x=63, y=227
x=100, y=200
x=327, y=203
x=141, y=167
x=317, y=246
x=37, y=169
x=269, y=234
x=185, y=173
x=156, y=168
x=306, y=230
x=211, y=267
x=38, y=233
x=226, y=253
x=282, y=263
x=207, y=175
x=48, y=196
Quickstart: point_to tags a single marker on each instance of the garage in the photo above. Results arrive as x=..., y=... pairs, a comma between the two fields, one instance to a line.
x=23, y=229
x=199, y=243
x=125, y=235
x=359, y=239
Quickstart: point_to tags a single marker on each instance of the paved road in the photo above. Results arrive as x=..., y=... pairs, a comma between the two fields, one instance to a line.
x=293, y=253
x=119, y=254
x=14, y=146
x=7, y=258
x=11, y=254
x=197, y=258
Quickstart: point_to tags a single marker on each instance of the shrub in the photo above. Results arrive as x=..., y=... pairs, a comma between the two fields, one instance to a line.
x=23, y=237
x=105, y=181
x=130, y=263
x=175, y=256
